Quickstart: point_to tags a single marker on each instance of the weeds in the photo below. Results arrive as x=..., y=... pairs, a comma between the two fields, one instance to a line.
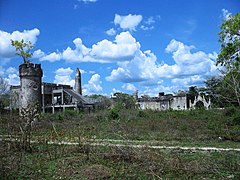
x=194, y=127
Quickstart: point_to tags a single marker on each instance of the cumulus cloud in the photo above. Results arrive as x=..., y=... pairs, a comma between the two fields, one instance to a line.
x=51, y=57
x=93, y=86
x=13, y=79
x=123, y=48
x=160, y=88
x=129, y=87
x=129, y=22
x=182, y=53
x=6, y=49
x=111, y=32
x=10, y=75
x=38, y=54
x=188, y=81
x=63, y=76
x=144, y=66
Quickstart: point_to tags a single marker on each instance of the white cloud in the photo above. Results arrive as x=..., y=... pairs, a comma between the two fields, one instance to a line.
x=11, y=70
x=148, y=23
x=153, y=92
x=189, y=81
x=13, y=79
x=63, y=76
x=111, y=32
x=10, y=75
x=80, y=53
x=92, y=72
x=150, y=20
x=38, y=54
x=122, y=49
x=144, y=67
x=129, y=87
x=93, y=86
x=87, y=1
x=182, y=53
x=225, y=14
x=146, y=28
x=129, y=22
x=6, y=49
x=51, y=57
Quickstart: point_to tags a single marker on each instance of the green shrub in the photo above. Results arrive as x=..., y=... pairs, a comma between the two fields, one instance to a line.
x=53, y=117
x=229, y=111
x=70, y=114
x=142, y=113
x=236, y=119
x=114, y=114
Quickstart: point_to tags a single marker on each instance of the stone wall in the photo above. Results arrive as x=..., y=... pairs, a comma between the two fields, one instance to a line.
x=179, y=103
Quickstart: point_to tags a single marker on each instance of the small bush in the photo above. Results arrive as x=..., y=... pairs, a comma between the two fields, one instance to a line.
x=229, y=111
x=114, y=114
x=142, y=113
x=70, y=114
x=236, y=119
x=53, y=117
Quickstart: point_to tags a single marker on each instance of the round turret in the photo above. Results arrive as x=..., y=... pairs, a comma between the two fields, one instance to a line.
x=30, y=80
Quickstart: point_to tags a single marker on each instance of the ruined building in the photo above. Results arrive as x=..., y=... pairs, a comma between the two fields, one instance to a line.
x=57, y=97
x=49, y=96
x=180, y=102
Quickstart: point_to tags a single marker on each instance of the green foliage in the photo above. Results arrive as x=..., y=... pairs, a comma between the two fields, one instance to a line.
x=95, y=96
x=23, y=49
x=229, y=57
x=4, y=102
x=230, y=43
x=71, y=114
x=224, y=90
x=125, y=101
x=193, y=91
x=53, y=117
x=114, y=113
x=142, y=114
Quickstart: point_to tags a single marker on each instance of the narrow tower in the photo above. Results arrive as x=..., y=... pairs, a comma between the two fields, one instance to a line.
x=78, y=83
x=31, y=80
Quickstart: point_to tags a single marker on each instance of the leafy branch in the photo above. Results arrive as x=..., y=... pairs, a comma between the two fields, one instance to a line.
x=23, y=49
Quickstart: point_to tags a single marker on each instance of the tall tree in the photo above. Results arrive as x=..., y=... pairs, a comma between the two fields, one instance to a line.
x=23, y=49
x=229, y=37
x=229, y=58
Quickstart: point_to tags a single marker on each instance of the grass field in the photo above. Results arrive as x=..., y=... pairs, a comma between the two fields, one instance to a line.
x=201, y=128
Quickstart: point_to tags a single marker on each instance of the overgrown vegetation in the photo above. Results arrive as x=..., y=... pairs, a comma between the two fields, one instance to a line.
x=219, y=128
x=70, y=162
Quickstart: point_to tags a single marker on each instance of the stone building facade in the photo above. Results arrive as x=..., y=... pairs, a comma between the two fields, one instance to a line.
x=165, y=102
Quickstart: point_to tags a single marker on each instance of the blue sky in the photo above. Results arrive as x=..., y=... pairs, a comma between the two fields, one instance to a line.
x=119, y=45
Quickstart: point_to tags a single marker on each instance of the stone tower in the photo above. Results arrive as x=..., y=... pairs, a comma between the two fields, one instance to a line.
x=78, y=83
x=30, y=82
